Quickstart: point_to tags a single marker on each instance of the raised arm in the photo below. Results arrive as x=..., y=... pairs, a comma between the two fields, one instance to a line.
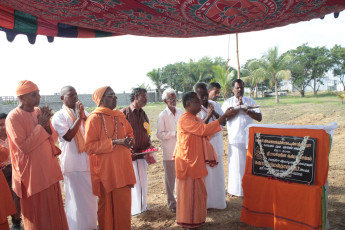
x=17, y=133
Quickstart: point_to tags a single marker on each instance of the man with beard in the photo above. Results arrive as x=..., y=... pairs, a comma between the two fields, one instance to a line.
x=236, y=124
x=35, y=169
x=80, y=202
x=109, y=140
x=139, y=121
x=166, y=132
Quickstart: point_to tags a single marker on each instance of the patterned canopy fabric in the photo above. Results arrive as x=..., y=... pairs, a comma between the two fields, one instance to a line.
x=158, y=18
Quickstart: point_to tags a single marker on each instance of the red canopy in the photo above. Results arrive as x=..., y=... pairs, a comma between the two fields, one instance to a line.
x=166, y=18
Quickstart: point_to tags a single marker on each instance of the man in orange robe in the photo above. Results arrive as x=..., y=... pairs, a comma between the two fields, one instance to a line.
x=7, y=206
x=108, y=140
x=6, y=168
x=35, y=169
x=193, y=151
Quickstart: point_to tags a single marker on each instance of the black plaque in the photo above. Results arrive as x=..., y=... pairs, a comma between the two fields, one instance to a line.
x=281, y=152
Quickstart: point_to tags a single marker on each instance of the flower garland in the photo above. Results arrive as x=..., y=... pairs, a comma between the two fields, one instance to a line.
x=292, y=167
x=105, y=128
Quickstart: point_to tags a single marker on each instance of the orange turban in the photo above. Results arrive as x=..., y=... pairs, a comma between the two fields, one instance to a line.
x=25, y=87
x=98, y=94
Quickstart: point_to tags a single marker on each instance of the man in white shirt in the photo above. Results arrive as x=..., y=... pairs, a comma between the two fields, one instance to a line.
x=80, y=203
x=166, y=132
x=215, y=180
x=236, y=125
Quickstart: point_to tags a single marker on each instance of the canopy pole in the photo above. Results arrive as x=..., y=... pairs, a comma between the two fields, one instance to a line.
x=238, y=59
x=227, y=70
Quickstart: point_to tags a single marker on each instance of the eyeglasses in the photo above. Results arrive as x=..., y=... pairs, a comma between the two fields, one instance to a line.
x=172, y=100
x=110, y=95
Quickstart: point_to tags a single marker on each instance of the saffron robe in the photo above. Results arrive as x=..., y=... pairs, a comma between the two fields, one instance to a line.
x=35, y=166
x=7, y=207
x=111, y=167
x=193, y=150
x=215, y=180
x=35, y=170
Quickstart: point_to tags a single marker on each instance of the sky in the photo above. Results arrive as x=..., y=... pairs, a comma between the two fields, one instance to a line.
x=122, y=62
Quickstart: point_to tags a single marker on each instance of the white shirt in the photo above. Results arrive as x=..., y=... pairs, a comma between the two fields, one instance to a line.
x=166, y=131
x=236, y=126
x=70, y=159
x=203, y=113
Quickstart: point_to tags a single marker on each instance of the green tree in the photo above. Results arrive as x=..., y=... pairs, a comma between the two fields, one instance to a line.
x=172, y=75
x=320, y=66
x=273, y=67
x=156, y=77
x=142, y=85
x=301, y=67
x=224, y=76
x=251, y=76
x=338, y=60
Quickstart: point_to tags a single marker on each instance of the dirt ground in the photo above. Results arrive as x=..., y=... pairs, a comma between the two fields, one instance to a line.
x=159, y=216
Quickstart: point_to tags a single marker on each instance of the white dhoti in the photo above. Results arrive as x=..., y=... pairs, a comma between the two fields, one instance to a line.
x=215, y=179
x=80, y=202
x=237, y=163
x=215, y=186
x=139, y=192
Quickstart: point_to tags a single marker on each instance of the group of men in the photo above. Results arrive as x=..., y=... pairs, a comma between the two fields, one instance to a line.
x=101, y=156
x=195, y=140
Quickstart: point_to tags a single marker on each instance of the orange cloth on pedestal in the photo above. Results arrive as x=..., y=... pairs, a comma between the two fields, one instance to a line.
x=192, y=152
x=281, y=205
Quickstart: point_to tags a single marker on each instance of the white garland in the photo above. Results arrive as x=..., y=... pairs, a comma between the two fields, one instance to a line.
x=292, y=167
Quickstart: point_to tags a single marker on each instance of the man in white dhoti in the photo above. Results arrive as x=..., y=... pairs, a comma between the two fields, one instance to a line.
x=236, y=125
x=166, y=132
x=80, y=202
x=215, y=180
x=139, y=121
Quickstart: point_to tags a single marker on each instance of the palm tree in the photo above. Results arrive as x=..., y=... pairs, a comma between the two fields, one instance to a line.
x=143, y=86
x=252, y=76
x=156, y=77
x=273, y=67
x=224, y=77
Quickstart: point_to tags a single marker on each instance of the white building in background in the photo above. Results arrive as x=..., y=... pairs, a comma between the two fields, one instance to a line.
x=330, y=83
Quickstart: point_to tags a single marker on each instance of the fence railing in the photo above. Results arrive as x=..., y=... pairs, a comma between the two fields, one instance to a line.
x=54, y=101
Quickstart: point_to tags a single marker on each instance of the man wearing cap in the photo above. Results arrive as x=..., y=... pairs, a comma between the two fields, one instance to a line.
x=80, y=202
x=35, y=169
x=108, y=140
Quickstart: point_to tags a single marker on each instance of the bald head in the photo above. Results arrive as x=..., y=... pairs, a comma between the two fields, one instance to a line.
x=66, y=89
x=69, y=96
